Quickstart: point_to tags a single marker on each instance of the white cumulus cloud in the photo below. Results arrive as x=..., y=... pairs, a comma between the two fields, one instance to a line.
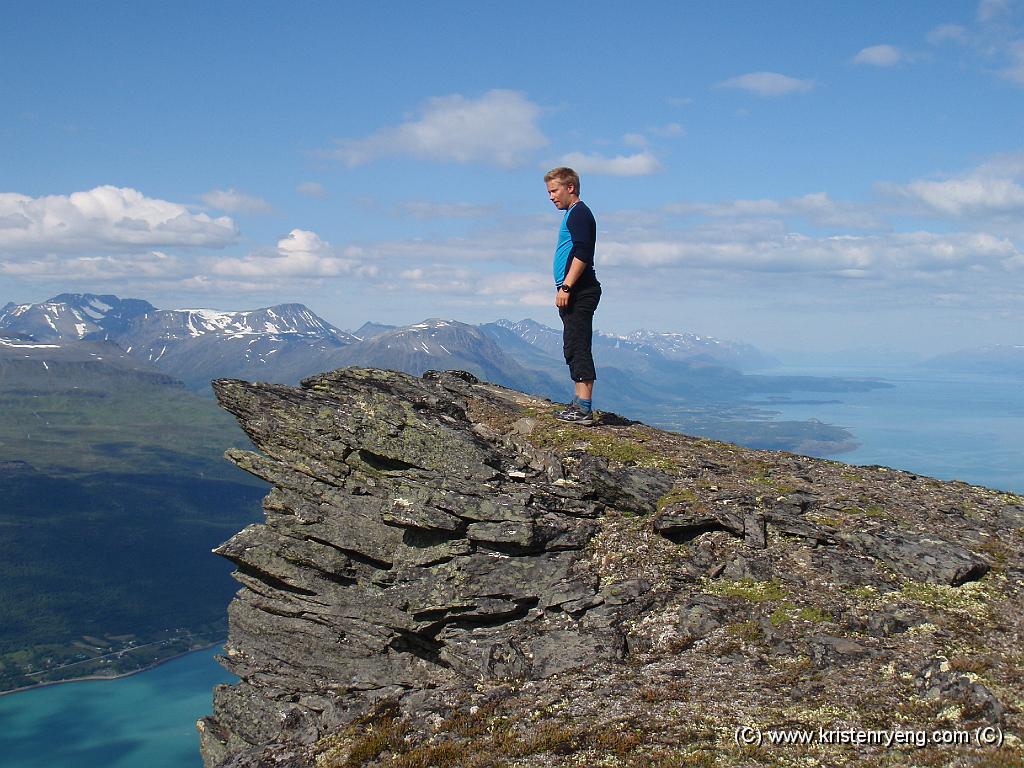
x=498, y=128
x=767, y=84
x=992, y=189
x=879, y=56
x=466, y=286
x=817, y=207
x=233, y=201
x=639, y=164
x=770, y=250
x=95, y=269
x=517, y=288
x=105, y=219
x=964, y=197
x=299, y=254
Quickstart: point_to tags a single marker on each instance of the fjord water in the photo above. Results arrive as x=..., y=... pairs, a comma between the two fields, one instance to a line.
x=145, y=720
x=951, y=426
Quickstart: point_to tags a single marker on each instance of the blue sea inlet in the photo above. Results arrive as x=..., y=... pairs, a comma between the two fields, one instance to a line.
x=953, y=426
x=145, y=720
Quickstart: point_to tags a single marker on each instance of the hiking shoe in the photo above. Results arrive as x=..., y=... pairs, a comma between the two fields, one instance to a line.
x=574, y=415
x=574, y=403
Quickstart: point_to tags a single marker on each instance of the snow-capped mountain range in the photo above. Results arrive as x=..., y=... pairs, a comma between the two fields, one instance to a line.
x=649, y=344
x=683, y=346
x=287, y=342
x=72, y=316
x=193, y=345
x=88, y=316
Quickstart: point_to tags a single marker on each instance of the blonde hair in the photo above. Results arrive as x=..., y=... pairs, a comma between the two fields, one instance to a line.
x=565, y=177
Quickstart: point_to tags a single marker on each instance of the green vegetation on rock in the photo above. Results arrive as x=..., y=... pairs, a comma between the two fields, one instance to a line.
x=628, y=446
x=748, y=589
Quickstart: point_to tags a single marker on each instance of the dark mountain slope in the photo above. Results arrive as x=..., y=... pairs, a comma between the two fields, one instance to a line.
x=113, y=487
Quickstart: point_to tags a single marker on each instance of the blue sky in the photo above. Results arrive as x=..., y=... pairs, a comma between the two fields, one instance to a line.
x=799, y=175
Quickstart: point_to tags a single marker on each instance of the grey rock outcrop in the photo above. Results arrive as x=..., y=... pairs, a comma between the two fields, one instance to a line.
x=432, y=541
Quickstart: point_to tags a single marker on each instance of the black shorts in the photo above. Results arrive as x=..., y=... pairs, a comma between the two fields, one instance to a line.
x=578, y=332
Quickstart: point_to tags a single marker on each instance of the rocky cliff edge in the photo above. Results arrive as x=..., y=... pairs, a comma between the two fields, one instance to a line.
x=448, y=576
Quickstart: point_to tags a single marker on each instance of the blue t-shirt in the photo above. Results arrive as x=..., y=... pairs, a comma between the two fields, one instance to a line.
x=576, y=240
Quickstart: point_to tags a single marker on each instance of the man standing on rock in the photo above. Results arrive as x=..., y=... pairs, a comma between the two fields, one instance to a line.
x=577, y=290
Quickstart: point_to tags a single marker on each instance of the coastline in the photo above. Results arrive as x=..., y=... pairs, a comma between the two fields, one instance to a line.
x=91, y=678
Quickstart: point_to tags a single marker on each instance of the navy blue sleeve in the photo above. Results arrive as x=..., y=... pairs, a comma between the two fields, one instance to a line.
x=583, y=231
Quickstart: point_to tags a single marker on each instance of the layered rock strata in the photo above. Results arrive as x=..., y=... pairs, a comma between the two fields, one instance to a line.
x=432, y=541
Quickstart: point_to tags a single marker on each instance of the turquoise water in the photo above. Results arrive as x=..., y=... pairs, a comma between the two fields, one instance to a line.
x=950, y=426
x=143, y=721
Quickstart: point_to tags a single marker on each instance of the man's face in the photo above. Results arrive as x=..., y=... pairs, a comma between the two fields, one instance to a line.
x=560, y=194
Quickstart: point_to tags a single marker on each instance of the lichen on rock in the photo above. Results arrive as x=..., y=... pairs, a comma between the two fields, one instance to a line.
x=449, y=576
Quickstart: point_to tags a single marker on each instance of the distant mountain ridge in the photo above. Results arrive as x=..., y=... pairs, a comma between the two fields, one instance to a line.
x=198, y=345
x=369, y=329
x=282, y=343
x=683, y=346
x=88, y=315
x=444, y=344
x=72, y=316
x=279, y=320
x=680, y=380
x=287, y=342
x=651, y=344
x=194, y=345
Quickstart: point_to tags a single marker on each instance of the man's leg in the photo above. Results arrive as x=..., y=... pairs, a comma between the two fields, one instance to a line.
x=569, y=345
x=582, y=365
x=578, y=330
